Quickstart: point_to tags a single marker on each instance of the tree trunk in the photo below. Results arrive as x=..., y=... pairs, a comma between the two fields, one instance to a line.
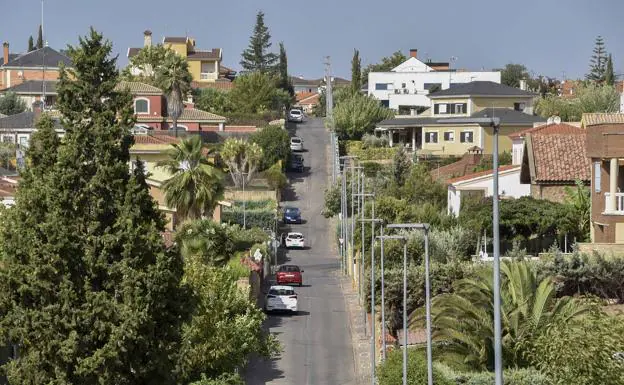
x=175, y=125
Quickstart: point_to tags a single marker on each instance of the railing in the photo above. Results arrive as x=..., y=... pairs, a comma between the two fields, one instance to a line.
x=205, y=76
x=619, y=203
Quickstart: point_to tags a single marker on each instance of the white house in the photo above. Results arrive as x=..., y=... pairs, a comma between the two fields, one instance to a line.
x=482, y=183
x=407, y=85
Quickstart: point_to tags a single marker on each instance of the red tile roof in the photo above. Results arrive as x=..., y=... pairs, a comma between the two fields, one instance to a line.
x=221, y=84
x=155, y=139
x=560, y=157
x=214, y=54
x=482, y=173
x=548, y=129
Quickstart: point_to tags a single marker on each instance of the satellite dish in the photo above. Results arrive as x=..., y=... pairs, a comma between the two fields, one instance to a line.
x=557, y=119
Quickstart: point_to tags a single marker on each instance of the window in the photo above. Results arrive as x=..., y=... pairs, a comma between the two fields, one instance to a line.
x=597, y=176
x=431, y=137
x=450, y=108
x=7, y=138
x=466, y=137
x=385, y=103
x=519, y=106
x=460, y=108
x=439, y=108
x=141, y=106
x=381, y=86
x=402, y=85
x=449, y=136
x=207, y=67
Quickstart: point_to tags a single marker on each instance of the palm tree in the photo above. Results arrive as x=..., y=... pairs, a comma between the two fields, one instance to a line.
x=464, y=320
x=174, y=78
x=196, y=184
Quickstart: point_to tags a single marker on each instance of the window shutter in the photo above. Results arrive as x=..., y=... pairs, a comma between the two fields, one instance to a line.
x=597, y=176
x=436, y=108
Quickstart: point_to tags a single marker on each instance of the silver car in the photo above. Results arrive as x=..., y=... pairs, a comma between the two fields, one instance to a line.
x=295, y=115
x=296, y=144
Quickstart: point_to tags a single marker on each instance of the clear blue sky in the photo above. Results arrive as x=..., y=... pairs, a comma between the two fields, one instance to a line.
x=548, y=36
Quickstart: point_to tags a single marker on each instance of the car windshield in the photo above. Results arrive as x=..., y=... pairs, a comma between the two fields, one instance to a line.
x=289, y=268
x=295, y=236
x=292, y=210
x=281, y=292
x=295, y=112
x=295, y=140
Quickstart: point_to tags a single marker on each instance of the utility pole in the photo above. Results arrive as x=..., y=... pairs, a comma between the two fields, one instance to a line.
x=45, y=44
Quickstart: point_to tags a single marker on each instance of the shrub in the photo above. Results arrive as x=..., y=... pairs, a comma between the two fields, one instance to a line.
x=276, y=179
x=512, y=376
x=371, y=168
x=244, y=239
x=356, y=147
x=236, y=267
x=275, y=144
x=391, y=370
x=371, y=140
x=261, y=218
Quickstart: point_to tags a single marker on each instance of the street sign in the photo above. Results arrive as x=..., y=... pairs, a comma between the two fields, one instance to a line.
x=257, y=255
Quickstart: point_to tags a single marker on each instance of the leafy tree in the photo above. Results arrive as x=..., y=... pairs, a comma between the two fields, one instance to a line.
x=609, y=74
x=174, y=78
x=400, y=166
x=40, y=37
x=257, y=93
x=223, y=379
x=598, y=62
x=357, y=115
x=31, y=44
x=580, y=200
x=463, y=319
x=196, y=184
x=275, y=144
x=256, y=58
x=44, y=144
x=284, y=80
x=276, y=179
x=242, y=158
x=513, y=73
x=589, y=98
x=91, y=295
x=205, y=241
x=11, y=104
x=420, y=187
x=387, y=63
x=213, y=100
x=332, y=201
x=147, y=61
x=391, y=370
x=356, y=72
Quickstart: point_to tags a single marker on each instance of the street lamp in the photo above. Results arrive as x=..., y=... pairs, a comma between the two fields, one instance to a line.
x=498, y=350
x=362, y=221
x=425, y=227
x=351, y=159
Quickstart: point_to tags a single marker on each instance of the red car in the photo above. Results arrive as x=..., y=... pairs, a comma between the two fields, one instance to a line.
x=289, y=274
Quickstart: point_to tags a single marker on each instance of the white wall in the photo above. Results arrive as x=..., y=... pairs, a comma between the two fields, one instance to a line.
x=517, y=151
x=622, y=102
x=415, y=84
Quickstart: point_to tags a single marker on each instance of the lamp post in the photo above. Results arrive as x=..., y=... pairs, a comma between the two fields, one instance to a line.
x=362, y=221
x=351, y=159
x=498, y=350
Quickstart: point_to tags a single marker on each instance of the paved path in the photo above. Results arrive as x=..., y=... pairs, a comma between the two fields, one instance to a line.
x=317, y=342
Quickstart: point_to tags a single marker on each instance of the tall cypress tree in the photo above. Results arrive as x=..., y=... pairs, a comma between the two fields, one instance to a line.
x=284, y=79
x=356, y=71
x=256, y=57
x=90, y=293
x=40, y=37
x=31, y=44
x=609, y=74
x=598, y=62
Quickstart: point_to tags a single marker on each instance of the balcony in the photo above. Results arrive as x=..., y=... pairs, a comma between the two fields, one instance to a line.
x=619, y=204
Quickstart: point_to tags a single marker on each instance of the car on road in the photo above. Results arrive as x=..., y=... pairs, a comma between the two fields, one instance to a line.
x=295, y=115
x=292, y=215
x=289, y=274
x=281, y=297
x=294, y=240
x=296, y=163
x=296, y=143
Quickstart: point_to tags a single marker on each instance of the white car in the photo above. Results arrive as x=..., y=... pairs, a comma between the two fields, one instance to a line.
x=296, y=143
x=295, y=115
x=294, y=240
x=281, y=298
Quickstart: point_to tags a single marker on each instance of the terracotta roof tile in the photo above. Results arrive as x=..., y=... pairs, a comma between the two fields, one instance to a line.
x=195, y=115
x=595, y=119
x=560, y=157
x=548, y=129
x=133, y=51
x=221, y=84
x=155, y=139
x=482, y=173
x=304, y=95
x=138, y=88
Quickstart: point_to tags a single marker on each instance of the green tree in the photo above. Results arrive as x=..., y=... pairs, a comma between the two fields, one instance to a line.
x=40, y=37
x=275, y=144
x=174, y=78
x=147, y=60
x=205, y=241
x=387, y=63
x=529, y=307
x=242, y=158
x=223, y=379
x=513, y=73
x=276, y=179
x=213, y=100
x=257, y=93
x=90, y=293
x=284, y=79
x=598, y=98
x=256, y=57
x=356, y=71
x=400, y=166
x=391, y=370
x=598, y=62
x=31, y=44
x=195, y=185
x=357, y=115
x=11, y=104
x=609, y=74
x=580, y=200
x=332, y=201
x=44, y=144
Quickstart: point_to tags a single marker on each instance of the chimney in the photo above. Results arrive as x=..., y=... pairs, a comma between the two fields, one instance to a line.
x=147, y=35
x=523, y=84
x=5, y=45
x=414, y=53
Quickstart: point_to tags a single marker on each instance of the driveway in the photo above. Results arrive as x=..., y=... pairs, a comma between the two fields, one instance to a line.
x=316, y=342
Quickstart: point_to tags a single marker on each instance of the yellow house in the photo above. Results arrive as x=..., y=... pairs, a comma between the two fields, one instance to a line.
x=432, y=132
x=204, y=65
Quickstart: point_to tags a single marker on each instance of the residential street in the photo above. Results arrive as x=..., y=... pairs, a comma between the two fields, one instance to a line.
x=317, y=344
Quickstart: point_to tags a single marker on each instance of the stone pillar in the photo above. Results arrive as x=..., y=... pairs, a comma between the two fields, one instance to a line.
x=414, y=138
x=613, y=179
x=390, y=137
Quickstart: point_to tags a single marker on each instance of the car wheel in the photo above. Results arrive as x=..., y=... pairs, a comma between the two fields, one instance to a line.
x=300, y=284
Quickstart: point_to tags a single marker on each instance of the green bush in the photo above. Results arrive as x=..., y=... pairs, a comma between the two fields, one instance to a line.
x=253, y=205
x=275, y=144
x=371, y=140
x=261, y=218
x=236, y=267
x=391, y=371
x=244, y=239
x=276, y=179
x=371, y=168
x=356, y=147
x=258, y=120
x=511, y=376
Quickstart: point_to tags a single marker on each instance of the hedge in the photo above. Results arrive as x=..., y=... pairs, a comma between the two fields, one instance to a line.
x=261, y=218
x=355, y=147
x=527, y=376
x=391, y=370
x=267, y=204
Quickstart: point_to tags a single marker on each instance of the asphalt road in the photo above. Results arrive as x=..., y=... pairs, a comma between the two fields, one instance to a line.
x=316, y=342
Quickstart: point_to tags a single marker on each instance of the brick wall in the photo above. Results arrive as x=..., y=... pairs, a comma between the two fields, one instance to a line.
x=50, y=74
x=554, y=193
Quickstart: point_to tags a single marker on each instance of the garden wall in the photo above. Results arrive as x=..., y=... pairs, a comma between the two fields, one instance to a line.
x=602, y=248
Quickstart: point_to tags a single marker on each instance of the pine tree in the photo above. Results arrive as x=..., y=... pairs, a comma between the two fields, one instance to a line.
x=284, y=80
x=609, y=74
x=598, y=63
x=356, y=72
x=255, y=57
x=31, y=44
x=40, y=37
x=90, y=293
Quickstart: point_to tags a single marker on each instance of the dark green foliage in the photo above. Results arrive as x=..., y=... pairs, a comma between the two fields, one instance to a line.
x=206, y=241
x=243, y=239
x=527, y=376
x=598, y=62
x=11, y=104
x=174, y=78
x=90, y=293
x=391, y=371
x=276, y=179
x=43, y=150
x=213, y=100
x=224, y=379
x=256, y=214
x=332, y=199
x=282, y=73
x=400, y=166
x=487, y=163
x=256, y=57
x=257, y=93
x=356, y=71
x=275, y=144
x=40, y=37
x=420, y=187
x=513, y=73
x=387, y=63
x=147, y=60
x=609, y=74
x=31, y=44
x=371, y=168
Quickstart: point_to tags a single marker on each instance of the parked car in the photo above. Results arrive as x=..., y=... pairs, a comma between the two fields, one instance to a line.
x=296, y=143
x=294, y=240
x=295, y=115
x=289, y=274
x=292, y=215
x=281, y=298
x=296, y=163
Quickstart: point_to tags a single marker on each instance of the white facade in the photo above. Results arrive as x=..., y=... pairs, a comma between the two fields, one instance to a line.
x=517, y=150
x=408, y=84
x=622, y=102
x=509, y=186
